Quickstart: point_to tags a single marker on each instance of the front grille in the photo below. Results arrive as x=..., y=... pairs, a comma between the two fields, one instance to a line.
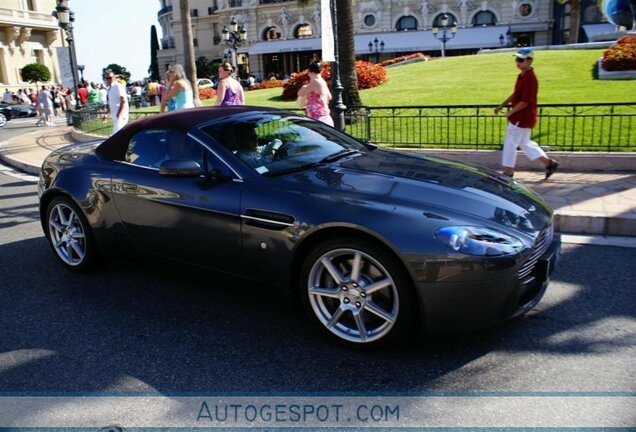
x=540, y=246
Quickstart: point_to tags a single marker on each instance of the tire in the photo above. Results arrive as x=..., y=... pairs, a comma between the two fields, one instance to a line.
x=69, y=235
x=3, y=120
x=374, y=308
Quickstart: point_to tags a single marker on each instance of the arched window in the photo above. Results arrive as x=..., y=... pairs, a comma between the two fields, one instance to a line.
x=407, y=23
x=437, y=22
x=272, y=33
x=303, y=31
x=484, y=18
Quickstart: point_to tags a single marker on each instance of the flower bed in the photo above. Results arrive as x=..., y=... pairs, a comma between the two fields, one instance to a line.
x=267, y=84
x=369, y=75
x=207, y=93
x=404, y=58
x=621, y=56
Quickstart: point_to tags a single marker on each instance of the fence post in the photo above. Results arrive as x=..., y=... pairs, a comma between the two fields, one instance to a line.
x=368, y=124
x=611, y=128
x=573, y=127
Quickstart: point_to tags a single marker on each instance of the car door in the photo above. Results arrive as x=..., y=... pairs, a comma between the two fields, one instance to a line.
x=190, y=219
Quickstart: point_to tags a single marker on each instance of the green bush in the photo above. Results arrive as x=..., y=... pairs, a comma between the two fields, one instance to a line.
x=35, y=73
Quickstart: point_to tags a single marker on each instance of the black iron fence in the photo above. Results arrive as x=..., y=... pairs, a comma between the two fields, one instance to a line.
x=562, y=127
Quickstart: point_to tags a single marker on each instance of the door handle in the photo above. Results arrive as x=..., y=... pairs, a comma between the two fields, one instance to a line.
x=127, y=187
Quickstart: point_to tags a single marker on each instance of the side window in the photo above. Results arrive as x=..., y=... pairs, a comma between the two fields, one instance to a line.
x=150, y=148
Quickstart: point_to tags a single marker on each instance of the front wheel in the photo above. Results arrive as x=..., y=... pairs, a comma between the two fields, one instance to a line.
x=358, y=292
x=69, y=235
x=3, y=120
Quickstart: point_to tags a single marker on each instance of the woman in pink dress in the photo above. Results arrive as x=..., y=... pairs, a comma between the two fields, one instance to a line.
x=317, y=95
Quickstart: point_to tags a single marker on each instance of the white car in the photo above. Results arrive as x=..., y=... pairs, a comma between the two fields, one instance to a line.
x=204, y=83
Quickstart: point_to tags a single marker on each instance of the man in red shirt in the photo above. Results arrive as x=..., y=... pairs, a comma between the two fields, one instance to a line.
x=82, y=92
x=522, y=117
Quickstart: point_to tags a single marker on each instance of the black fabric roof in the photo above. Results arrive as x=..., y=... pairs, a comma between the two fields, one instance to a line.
x=182, y=120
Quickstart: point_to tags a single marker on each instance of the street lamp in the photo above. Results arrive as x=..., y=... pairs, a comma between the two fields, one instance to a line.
x=336, y=103
x=373, y=47
x=448, y=32
x=234, y=37
x=65, y=19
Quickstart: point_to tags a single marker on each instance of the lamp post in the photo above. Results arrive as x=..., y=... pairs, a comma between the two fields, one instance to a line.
x=373, y=48
x=65, y=19
x=336, y=103
x=80, y=68
x=234, y=37
x=448, y=32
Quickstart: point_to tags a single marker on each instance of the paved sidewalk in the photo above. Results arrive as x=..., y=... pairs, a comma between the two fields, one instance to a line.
x=590, y=202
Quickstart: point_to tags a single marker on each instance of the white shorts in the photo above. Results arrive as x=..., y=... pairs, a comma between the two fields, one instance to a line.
x=517, y=137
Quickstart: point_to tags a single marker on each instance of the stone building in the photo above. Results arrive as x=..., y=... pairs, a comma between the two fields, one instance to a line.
x=283, y=37
x=28, y=34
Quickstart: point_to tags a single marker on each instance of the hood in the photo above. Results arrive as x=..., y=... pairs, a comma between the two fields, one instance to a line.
x=432, y=184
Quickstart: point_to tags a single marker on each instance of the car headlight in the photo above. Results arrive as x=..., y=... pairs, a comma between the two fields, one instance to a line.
x=480, y=241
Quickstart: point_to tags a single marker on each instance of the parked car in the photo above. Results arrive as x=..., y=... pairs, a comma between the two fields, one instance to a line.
x=205, y=83
x=5, y=114
x=23, y=110
x=375, y=243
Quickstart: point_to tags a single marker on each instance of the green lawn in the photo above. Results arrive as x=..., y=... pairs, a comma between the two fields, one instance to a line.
x=565, y=76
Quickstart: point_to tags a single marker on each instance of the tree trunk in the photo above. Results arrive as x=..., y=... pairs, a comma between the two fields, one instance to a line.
x=188, y=49
x=346, y=54
x=575, y=21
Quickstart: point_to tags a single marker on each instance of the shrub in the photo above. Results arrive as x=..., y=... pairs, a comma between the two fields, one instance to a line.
x=369, y=75
x=207, y=93
x=35, y=72
x=404, y=58
x=267, y=84
x=620, y=56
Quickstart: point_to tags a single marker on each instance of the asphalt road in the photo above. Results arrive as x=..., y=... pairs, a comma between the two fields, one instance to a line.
x=21, y=125
x=135, y=325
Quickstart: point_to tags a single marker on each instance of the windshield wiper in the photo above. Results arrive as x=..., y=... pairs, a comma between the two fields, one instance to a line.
x=338, y=155
x=290, y=169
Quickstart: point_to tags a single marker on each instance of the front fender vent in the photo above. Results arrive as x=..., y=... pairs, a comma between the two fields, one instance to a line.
x=267, y=219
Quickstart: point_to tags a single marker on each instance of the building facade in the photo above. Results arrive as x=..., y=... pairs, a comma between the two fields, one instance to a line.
x=283, y=37
x=28, y=34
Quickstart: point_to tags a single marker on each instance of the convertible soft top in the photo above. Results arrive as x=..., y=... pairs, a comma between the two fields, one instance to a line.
x=114, y=148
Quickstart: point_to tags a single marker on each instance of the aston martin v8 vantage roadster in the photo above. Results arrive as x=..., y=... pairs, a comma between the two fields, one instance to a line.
x=375, y=243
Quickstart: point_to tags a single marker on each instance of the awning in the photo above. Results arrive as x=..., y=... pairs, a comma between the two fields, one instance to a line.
x=530, y=27
x=422, y=41
x=600, y=32
x=465, y=38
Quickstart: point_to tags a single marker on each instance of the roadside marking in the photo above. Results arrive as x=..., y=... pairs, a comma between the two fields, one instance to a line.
x=7, y=170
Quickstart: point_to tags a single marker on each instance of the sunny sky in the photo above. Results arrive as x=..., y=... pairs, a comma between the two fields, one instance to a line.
x=114, y=31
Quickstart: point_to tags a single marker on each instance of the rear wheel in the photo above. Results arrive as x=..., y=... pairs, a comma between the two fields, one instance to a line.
x=3, y=120
x=358, y=293
x=69, y=235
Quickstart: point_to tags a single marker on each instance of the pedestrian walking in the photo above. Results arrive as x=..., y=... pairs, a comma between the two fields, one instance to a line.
x=315, y=95
x=522, y=118
x=45, y=106
x=180, y=90
x=229, y=91
x=117, y=101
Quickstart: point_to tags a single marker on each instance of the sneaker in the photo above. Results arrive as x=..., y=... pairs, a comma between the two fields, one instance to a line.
x=551, y=169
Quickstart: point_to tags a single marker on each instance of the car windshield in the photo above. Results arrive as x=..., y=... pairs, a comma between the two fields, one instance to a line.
x=275, y=144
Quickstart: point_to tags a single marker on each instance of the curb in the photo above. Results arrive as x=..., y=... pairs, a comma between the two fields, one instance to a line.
x=20, y=166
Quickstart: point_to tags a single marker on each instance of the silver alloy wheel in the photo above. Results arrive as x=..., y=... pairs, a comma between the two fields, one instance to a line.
x=3, y=120
x=353, y=295
x=67, y=234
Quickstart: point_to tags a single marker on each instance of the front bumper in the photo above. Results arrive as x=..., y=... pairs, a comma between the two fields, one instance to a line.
x=467, y=306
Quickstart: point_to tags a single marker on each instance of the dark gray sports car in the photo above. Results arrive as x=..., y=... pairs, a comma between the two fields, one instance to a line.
x=375, y=242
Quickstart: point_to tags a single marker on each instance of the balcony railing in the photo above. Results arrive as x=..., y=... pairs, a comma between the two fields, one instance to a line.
x=27, y=18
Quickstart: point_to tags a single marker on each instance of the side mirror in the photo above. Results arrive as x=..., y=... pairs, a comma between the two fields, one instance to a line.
x=179, y=168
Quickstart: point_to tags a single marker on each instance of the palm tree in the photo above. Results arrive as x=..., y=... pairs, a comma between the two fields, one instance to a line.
x=346, y=51
x=188, y=48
